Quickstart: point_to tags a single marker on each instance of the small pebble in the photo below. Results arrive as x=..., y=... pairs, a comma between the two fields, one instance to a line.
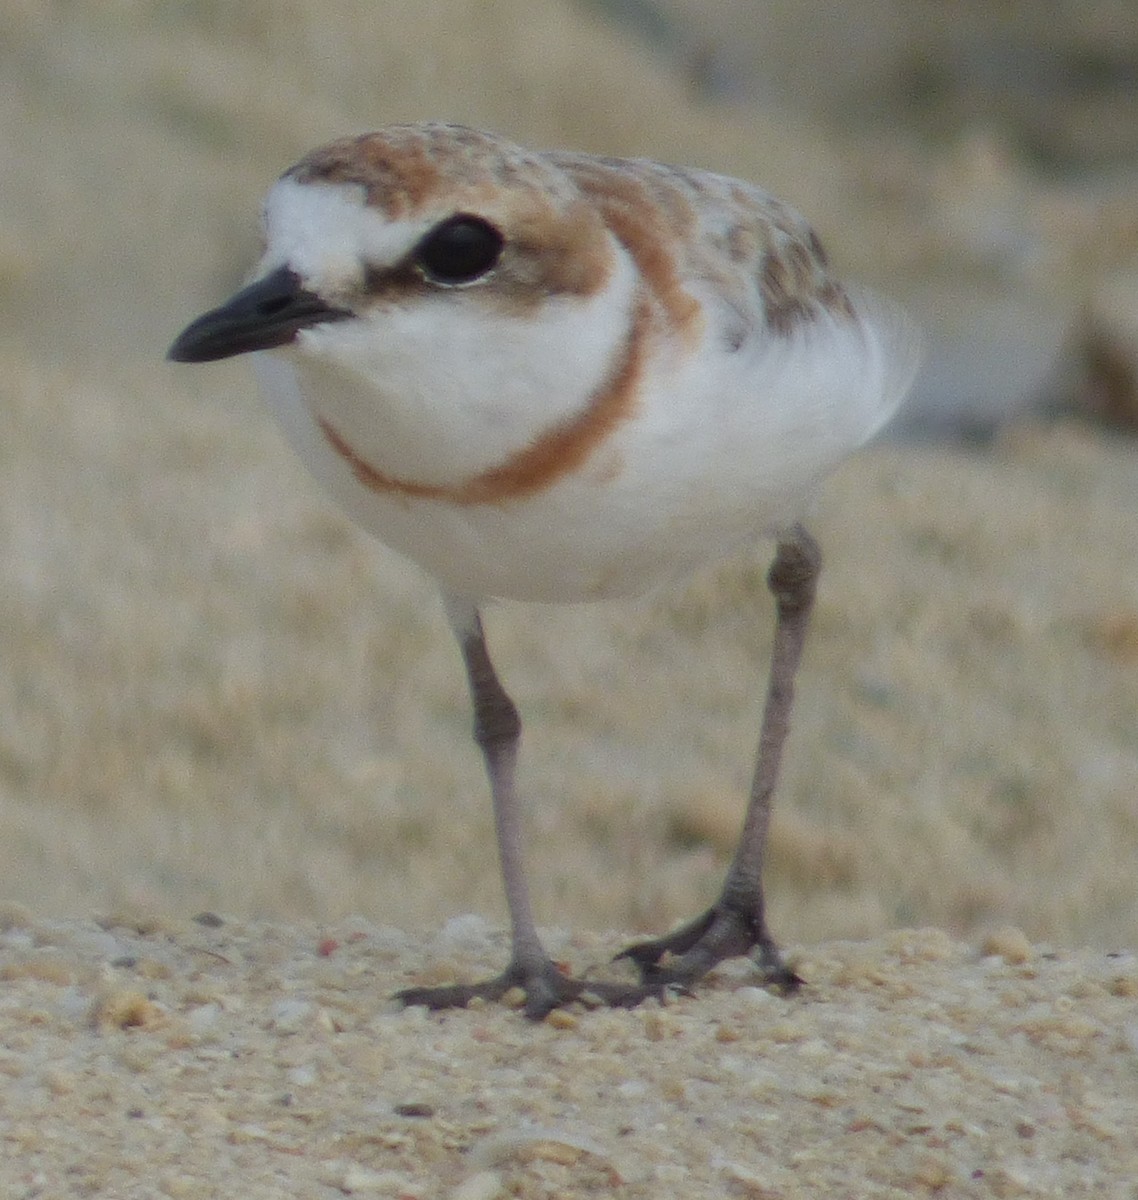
x=486, y=1185
x=1008, y=943
x=124, y=1008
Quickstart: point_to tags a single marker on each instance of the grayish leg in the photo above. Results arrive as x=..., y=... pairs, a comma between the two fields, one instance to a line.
x=735, y=924
x=497, y=730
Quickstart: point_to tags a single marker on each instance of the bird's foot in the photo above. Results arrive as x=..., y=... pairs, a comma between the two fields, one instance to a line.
x=725, y=931
x=546, y=987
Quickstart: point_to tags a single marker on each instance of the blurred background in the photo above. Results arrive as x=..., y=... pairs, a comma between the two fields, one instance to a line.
x=217, y=694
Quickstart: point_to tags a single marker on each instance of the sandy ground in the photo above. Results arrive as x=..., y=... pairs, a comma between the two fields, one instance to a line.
x=208, y=1059
x=219, y=697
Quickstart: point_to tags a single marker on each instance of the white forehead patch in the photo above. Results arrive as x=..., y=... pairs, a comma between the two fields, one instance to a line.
x=326, y=233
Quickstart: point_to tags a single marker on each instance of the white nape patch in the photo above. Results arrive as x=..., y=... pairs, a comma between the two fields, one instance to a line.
x=327, y=233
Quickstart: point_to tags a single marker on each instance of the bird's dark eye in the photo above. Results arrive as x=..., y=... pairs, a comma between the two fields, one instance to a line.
x=459, y=250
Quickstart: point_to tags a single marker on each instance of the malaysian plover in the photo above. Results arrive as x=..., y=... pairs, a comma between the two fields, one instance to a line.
x=556, y=377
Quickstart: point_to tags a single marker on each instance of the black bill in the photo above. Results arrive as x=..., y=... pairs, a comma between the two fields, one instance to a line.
x=267, y=313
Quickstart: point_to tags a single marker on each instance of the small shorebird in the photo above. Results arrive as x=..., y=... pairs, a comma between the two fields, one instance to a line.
x=556, y=377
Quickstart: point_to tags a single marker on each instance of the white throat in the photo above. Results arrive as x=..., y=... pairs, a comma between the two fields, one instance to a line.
x=448, y=386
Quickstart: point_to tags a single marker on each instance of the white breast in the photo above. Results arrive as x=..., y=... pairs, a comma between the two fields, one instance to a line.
x=719, y=448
